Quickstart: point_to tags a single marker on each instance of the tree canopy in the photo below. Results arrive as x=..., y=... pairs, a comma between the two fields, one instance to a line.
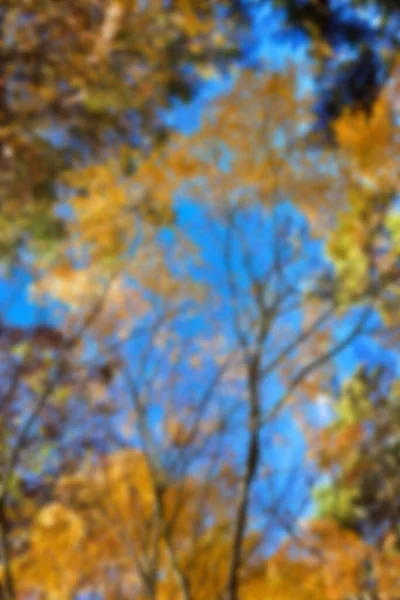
x=199, y=332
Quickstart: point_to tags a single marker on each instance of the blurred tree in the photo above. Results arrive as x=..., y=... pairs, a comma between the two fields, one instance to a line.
x=355, y=44
x=153, y=438
x=362, y=495
x=78, y=79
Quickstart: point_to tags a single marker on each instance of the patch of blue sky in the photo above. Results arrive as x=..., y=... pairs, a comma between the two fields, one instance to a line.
x=365, y=349
x=57, y=135
x=17, y=306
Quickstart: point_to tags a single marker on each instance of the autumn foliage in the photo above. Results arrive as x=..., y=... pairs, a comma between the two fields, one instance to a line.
x=199, y=327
